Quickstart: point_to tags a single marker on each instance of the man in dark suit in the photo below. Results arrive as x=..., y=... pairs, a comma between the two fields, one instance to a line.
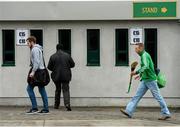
x=60, y=64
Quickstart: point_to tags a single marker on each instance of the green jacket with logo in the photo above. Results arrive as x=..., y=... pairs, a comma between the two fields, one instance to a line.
x=146, y=71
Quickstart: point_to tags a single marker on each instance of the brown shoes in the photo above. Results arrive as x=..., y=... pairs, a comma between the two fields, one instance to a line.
x=164, y=117
x=161, y=118
x=125, y=113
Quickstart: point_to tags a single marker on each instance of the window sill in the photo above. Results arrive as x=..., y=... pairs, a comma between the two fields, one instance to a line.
x=8, y=65
x=126, y=65
x=98, y=65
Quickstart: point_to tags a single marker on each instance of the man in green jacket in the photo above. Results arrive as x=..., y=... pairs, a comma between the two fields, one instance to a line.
x=148, y=82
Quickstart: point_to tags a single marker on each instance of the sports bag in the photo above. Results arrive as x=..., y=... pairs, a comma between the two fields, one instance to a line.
x=161, y=79
x=40, y=78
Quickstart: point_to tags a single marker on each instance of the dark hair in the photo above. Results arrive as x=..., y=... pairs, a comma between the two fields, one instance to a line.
x=59, y=46
x=31, y=39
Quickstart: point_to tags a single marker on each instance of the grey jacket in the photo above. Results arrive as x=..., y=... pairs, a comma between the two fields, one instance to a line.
x=37, y=58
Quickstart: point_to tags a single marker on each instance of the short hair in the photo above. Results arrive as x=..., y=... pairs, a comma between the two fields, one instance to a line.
x=59, y=46
x=31, y=39
x=140, y=45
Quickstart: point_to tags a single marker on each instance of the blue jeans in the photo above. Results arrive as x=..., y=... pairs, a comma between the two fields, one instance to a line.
x=42, y=91
x=143, y=87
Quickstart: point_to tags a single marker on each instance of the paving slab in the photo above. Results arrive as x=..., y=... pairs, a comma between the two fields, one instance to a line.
x=85, y=116
x=39, y=123
x=122, y=122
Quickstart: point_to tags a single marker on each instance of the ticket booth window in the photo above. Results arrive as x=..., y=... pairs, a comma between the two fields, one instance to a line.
x=8, y=44
x=122, y=55
x=38, y=34
x=64, y=36
x=93, y=47
x=151, y=44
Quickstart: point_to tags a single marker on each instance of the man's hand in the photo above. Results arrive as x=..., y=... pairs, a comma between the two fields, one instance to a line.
x=137, y=77
x=133, y=73
x=31, y=74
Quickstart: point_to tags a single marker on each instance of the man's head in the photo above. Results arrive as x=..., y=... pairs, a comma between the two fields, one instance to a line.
x=139, y=48
x=31, y=41
x=59, y=46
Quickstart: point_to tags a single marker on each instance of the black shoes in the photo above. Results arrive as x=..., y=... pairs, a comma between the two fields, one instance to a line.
x=35, y=111
x=56, y=107
x=68, y=108
x=43, y=111
x=32, y=111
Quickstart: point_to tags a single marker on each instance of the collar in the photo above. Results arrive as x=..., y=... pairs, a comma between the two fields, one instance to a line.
x=141, y=53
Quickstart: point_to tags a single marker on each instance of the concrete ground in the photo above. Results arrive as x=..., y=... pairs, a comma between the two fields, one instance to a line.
x=86, y=116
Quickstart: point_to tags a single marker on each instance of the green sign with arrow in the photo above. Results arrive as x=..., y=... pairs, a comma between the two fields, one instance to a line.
x=154, y=9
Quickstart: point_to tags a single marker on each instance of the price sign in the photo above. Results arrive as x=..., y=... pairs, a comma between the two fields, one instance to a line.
x=136, y=35
x=21, y=36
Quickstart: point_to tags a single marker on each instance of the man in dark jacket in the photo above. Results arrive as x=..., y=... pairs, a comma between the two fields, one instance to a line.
x=60, y=64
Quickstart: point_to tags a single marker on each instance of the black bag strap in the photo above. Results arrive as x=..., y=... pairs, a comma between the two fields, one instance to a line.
x=43, y=58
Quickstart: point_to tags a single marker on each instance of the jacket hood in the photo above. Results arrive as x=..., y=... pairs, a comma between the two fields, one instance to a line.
x=38, y=46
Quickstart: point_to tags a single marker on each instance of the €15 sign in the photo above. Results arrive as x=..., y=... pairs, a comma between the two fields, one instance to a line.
x=21, y=36
x=136, y=35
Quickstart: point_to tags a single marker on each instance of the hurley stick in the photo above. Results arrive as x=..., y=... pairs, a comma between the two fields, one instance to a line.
x=133, y=67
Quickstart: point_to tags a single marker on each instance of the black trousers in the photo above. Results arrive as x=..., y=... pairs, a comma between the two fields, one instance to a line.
x=66, y=94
